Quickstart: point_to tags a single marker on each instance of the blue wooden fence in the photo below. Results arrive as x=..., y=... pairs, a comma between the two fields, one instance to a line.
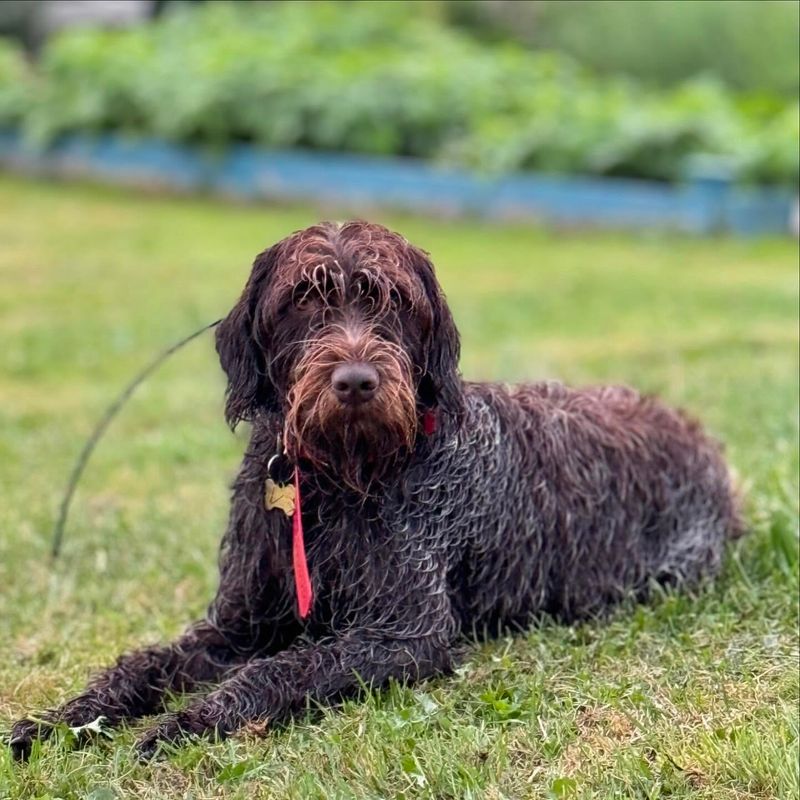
x=702, y=205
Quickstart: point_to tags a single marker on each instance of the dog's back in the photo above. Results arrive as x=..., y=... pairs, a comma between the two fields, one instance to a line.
x=566, y=501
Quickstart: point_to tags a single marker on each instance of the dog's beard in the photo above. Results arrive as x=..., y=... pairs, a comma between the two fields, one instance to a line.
x=353, y=445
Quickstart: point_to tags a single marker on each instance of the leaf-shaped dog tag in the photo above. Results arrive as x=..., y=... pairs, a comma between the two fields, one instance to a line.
x=280, y=496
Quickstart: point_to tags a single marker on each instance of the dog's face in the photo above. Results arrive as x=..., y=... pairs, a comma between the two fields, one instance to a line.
x=344, y=331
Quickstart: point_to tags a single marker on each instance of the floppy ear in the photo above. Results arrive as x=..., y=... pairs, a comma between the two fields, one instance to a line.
x=240, y=355
x=441, y=384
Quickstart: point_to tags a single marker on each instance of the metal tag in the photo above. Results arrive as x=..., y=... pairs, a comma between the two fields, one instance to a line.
x=280, y=496
x=279, y=490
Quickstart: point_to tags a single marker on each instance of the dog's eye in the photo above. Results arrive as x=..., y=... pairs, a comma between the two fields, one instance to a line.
x=398, y=299
x=305, y=294
x=322, y=286
x=363, y=285
x=376, y=293
x=366, y=290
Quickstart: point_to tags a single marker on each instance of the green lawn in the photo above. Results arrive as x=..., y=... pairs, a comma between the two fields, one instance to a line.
x=686, y=697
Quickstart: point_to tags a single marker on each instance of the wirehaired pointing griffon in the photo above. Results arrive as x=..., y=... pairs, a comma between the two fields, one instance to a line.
x=386, y=508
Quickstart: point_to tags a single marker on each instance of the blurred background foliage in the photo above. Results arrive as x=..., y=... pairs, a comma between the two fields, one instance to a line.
x=625, y=88
x=749, y=45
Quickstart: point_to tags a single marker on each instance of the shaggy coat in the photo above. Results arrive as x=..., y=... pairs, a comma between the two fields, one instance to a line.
x=432, y=508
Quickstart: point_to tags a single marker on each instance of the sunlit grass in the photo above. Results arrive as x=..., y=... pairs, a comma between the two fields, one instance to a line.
x=687, y=697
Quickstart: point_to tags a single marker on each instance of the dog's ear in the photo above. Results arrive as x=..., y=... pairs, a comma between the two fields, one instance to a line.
x=240, y=354
x=441, y=384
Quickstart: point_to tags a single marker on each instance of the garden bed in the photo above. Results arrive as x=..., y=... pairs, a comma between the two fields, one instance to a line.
x=704, y=204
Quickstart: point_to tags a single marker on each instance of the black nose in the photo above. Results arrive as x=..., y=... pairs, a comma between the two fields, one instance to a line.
x=355, y=383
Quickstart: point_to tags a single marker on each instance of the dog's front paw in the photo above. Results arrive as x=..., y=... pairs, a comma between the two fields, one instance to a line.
x=172, y=730
x=24, y=733
x=168, y=731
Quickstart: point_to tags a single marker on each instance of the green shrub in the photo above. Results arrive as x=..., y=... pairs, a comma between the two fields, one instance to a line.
x=374, y=78
x=748, y=45
x=15, y=83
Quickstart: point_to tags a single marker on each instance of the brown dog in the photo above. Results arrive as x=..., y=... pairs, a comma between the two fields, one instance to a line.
x=385, y=507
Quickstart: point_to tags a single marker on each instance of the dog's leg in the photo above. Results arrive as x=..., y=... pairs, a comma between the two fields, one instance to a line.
x=136, y=685
x=248, y=615
x=271, y=688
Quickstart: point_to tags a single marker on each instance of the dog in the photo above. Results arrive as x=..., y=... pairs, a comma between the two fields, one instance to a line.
x=386, y=509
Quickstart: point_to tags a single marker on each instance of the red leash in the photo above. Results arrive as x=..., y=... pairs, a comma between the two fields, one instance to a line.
x=302, y=581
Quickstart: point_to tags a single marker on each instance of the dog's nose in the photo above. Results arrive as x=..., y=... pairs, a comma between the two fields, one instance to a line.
x=355, y=383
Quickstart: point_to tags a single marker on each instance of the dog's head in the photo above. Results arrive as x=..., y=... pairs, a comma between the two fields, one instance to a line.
x=345, y=332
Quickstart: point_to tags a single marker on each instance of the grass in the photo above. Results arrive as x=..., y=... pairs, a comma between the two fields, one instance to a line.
x=689, y=696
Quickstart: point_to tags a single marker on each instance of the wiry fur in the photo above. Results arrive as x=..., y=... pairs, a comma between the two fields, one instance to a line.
x=524, y=500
